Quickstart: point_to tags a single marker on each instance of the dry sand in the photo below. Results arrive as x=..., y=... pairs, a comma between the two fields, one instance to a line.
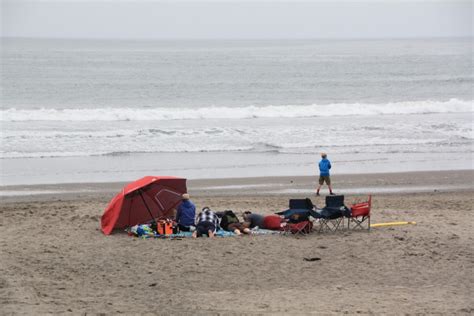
x=55, y=260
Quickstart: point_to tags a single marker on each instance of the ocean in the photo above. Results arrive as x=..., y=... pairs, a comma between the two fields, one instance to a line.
x=116, y=110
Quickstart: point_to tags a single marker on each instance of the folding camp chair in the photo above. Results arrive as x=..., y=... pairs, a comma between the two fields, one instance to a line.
x=298, y=216
x=331, y=217
x=360, y=214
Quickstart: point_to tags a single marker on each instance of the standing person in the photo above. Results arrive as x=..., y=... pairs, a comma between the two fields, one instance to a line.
x=186, y=214
x=207, y=223
x=324, y=166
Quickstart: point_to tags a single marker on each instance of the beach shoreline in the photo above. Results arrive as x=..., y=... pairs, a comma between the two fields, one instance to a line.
x=349, y=184
x=121, y=167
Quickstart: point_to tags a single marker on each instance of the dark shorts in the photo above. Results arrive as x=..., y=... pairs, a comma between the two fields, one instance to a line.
x=323, y=179
x=203, y=228
x=183, y=228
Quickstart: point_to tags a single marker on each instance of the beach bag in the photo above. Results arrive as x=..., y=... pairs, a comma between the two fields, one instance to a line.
x=164, y=227
x=228, y=217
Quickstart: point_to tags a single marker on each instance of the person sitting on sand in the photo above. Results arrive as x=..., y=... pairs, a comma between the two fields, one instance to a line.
x=185, y=214
x=207, y=223
x=324, y=166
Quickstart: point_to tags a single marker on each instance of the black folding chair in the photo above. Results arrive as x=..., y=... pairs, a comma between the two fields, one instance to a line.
x=331, y=217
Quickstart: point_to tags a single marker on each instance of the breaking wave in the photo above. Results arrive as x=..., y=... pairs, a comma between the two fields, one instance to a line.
x=248, y=112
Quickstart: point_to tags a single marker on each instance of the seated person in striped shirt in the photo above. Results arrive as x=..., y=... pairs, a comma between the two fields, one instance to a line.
x=207, y=223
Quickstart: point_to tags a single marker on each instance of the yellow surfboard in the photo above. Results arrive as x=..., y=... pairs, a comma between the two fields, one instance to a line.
x=392, y=224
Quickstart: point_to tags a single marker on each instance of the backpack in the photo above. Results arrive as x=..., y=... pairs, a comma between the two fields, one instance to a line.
x=228, y=217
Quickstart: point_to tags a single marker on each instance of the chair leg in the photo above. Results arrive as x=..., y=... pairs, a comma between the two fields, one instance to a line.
x=358, y=223
x=307, y=228
x=302, y=230
x=324, y=225
x=337, y=224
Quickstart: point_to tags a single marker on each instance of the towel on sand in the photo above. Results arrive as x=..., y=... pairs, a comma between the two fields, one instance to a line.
x=219, y=233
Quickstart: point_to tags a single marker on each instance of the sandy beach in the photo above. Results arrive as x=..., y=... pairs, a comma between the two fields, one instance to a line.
x=55, y=260
x=242, y=99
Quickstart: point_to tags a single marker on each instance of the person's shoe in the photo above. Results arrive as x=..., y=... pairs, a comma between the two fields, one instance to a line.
x=317, y=193
x=332, y=193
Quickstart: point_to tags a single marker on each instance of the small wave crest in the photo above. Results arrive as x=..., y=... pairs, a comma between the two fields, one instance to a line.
x=247, y=112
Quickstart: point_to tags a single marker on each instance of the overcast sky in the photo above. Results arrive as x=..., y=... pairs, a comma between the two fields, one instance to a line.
x=236, y=19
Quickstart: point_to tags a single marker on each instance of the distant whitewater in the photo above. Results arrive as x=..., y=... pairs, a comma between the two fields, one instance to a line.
x=246, y=112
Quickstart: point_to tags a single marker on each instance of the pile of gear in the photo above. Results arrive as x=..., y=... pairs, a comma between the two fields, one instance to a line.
x=295, y=220
x=159, y=206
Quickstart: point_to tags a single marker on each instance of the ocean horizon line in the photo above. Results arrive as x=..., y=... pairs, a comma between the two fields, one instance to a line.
x=293, y=39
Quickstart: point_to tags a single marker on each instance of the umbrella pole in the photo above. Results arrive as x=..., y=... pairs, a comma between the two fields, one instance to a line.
x=146, y=205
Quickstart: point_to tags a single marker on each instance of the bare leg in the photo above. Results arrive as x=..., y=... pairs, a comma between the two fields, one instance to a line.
x=210, y=233
x=330, y=189
x=194, y=234
x=317, y=190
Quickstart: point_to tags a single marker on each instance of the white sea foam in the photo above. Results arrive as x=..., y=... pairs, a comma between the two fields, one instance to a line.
x=375, y=134
x=249, y=112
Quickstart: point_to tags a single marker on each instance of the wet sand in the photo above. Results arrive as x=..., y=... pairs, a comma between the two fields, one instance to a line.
x=55, y=260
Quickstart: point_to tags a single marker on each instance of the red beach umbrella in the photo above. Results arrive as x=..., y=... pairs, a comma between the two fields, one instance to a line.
x=143, y=200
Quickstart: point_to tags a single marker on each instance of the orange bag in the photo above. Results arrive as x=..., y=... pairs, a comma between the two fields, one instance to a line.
x=164, y=227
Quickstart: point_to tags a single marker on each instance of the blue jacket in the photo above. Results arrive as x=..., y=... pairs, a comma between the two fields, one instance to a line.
x=324, y=166
x=186, y=213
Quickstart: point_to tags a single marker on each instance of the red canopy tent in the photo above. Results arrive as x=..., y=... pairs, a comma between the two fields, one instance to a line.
x=143, y=200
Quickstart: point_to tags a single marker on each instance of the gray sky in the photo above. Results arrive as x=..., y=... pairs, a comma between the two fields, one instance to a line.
x=235, y=19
